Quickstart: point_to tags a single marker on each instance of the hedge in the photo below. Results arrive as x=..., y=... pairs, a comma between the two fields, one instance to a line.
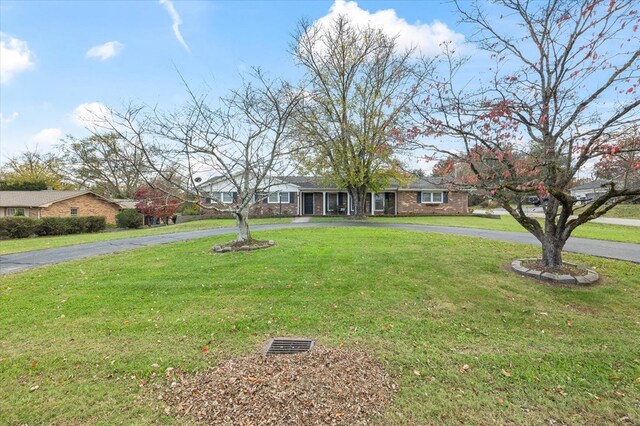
x=129, y=218
x=23, y=227
x=17, y=227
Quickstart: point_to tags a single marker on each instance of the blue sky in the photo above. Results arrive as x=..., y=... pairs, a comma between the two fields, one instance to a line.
x=60, y=58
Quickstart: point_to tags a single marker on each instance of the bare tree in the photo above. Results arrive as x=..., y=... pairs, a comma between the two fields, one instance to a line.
x=105, y=164
x=242, y=140
x=360, y=84
x=563, y=83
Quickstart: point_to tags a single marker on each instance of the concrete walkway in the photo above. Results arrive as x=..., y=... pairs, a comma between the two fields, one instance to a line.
x=537, y=212
x=18, y=262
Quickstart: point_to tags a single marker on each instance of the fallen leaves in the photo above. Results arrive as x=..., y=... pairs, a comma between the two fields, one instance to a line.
x=464, y=369
x=506, y=373
x=324, y=386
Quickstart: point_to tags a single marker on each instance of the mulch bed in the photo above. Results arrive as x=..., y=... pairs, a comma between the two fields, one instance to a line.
x=248, y=246
x=567, y=269
x=336, y=386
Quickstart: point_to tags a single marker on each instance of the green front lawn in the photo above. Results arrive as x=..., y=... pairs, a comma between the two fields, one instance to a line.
x=625, y=211
x=39, y=243
x=598, y=231
x=88, y=332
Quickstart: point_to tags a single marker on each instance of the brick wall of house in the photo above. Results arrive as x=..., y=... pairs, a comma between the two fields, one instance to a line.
x=87, y=205
x=261, y=209
x=408, y=204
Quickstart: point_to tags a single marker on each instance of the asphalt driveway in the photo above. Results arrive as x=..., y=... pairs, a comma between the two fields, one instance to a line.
x=18, y=262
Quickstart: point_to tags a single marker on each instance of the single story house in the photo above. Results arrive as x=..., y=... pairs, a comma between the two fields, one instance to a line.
x=308, y=196
x=590, y=190
x=50, y=203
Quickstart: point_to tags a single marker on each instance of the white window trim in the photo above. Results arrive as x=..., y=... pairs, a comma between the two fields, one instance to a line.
x=384, y=201
x=222, y=195
x=430, y=198
x=11, y=211
x=279, y=195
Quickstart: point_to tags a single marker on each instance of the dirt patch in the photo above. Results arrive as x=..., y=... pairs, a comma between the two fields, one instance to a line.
x=566, y=269
x=247, y=246
x=338, y=386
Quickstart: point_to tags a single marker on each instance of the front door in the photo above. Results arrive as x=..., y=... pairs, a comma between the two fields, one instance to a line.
x=307, y=208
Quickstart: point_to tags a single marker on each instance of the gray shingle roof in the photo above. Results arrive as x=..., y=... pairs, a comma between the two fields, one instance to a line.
x=38, y=198
x=310, y=182
x=592, y=185
x=314, y=182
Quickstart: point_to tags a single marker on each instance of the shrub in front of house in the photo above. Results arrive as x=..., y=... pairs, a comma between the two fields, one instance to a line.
x=93, y=223
x=70, y=225
x=12, y=227
x=17, y=227
x=129, y=218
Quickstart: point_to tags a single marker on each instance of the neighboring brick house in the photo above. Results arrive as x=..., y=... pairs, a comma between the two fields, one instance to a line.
x=51, y=203
x=307, y=196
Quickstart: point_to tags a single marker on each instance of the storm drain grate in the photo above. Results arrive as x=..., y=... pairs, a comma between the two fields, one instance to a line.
x=286, y=345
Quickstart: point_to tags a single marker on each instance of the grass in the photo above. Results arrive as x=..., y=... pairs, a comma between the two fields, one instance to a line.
x=597, y=231
x=88, y=332
x=39, y=243
x=625, y=211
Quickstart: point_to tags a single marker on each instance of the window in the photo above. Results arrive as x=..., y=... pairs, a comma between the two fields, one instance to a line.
x=18, y=211
x=222, y=197
x=278, y=197
x=379, y=201
x=74, y=211
x=431, y=197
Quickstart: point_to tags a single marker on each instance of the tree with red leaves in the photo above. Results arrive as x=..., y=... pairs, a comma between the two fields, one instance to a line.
x=563, y=83
x=623, y=163
x=157, y=203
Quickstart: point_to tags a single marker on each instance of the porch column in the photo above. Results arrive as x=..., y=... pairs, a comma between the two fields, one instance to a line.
x=324, y=204
x=348, y=204
x=396, y=198
x=373, y=203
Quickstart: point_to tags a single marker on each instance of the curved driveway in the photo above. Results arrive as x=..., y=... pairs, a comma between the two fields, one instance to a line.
x=18, y=262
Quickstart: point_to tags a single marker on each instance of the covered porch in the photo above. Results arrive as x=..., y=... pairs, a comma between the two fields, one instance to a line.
x=340, y=203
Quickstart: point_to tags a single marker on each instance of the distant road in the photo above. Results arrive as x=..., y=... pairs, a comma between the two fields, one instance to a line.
x=537, y=212
x=19, y=262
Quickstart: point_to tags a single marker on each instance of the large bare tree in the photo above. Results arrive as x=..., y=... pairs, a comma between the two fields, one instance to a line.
x=560, y=86
x=359, y=86
x=240, y=139
x=105, y=164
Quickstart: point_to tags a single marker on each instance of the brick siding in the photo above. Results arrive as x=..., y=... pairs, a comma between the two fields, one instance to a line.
x=87, y=205
x=408, y=204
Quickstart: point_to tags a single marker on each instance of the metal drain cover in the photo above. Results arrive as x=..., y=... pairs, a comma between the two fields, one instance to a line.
x=288, y=345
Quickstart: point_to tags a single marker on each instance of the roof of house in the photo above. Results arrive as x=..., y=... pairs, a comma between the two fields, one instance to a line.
x=317, y=183
x=598, y=183
x=40, y=198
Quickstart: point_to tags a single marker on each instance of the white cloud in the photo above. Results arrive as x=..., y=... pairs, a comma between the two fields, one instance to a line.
x=47, y=136
x=168, y=4
x=90, y=114
x=426, y=38
x=15, y=57
x=5, y=121
x=106, y=50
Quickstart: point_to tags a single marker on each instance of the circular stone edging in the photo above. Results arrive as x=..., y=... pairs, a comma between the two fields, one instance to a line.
x=226, y=248
x=590, y=278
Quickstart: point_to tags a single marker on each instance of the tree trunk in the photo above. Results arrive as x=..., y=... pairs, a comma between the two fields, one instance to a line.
x=359, y=196
x=242, y=219
x=552, y=251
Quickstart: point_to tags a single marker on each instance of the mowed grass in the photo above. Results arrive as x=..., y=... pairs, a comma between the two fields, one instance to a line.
x=597, y=231
x=39, y=243
x=427, y=305
x=625, y=211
